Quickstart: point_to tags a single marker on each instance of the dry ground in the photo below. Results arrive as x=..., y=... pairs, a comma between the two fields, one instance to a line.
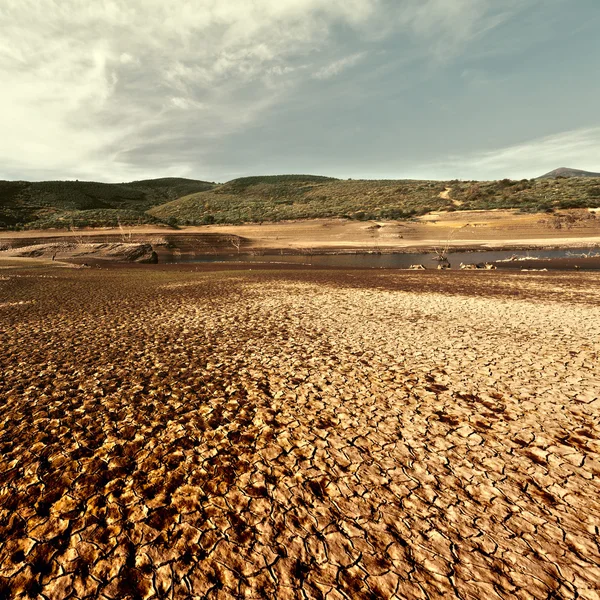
x=463, y=229
x=298, y=434
x=496, y=228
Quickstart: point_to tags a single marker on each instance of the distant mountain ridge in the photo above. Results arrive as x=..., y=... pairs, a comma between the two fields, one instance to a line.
x=567, y=172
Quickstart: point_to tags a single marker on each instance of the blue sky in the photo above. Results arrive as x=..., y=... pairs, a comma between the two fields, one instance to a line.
x=116, y=90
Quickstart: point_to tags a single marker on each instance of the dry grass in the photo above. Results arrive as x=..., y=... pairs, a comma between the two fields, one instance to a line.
x=298, y=434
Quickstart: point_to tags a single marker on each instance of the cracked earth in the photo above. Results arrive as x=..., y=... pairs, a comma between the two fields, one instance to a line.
x=299, y=434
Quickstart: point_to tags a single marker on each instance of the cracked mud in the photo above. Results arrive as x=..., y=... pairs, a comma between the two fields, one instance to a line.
x=298, y=434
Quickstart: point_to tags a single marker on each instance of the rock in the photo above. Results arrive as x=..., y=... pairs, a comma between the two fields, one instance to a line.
x=151, y=259
x=473, y=266
x=141, y=253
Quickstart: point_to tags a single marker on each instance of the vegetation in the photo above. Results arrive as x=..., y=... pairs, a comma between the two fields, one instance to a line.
x=528, y=195
x=275, y=198
x=104, y=217
x=303, y=197
x=257, y=199
x=280, y=181
x=56, y=203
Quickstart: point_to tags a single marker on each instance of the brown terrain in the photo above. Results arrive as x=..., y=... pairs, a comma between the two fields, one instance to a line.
x=195, y=432
x=465, y=229
x=502, y=229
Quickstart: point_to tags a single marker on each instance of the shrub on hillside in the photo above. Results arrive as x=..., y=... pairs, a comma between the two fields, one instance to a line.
x=594, y=192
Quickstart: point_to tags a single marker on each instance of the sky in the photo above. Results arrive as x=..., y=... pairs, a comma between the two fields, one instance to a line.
x=118, y=90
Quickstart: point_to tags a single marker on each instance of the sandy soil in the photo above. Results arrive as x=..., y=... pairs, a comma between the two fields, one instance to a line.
x=192, y=433
x=465, y=229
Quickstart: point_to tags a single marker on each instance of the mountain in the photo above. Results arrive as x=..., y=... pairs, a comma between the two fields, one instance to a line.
x=566, y=172
x=47, y=204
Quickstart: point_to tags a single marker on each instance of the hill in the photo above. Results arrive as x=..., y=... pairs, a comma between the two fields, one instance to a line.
x=566, y=172
x=259, y=199
x=47, y=204
x=61, y=204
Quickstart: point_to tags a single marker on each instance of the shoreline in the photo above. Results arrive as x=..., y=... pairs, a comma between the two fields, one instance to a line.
x=447, y=233
x=254, y=247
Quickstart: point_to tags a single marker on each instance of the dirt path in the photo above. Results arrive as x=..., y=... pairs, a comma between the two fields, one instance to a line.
x=445, y=195
x=180, y=433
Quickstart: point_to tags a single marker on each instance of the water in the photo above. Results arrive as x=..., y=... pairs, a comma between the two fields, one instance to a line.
x=570, y=259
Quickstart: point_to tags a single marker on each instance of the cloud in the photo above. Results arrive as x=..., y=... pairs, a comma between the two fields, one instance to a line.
x=577, y=149
x=96, y=89
x=336, y=67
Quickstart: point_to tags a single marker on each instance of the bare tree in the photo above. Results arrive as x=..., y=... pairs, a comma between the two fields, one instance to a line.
x=309, y=252
x=441, y=252
x=125, y=236
x=236, y=242
x=373, y=234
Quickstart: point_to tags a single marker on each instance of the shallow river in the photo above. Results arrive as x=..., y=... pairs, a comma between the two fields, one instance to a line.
x=580, y=258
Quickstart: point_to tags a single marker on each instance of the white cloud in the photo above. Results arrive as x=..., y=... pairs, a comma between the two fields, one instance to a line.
x=578, y=149
x=336, y=67
x=86, y=86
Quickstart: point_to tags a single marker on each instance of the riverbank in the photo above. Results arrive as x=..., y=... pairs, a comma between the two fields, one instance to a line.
x=460, y=230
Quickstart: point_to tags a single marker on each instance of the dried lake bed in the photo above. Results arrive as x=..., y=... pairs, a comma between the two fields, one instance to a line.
x=213, y=431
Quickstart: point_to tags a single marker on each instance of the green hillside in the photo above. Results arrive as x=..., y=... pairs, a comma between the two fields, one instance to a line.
x=257, y=199
x=60, y=204
x=81, y=203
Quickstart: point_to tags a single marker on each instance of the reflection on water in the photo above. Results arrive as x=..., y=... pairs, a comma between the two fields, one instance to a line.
x=582, y=258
